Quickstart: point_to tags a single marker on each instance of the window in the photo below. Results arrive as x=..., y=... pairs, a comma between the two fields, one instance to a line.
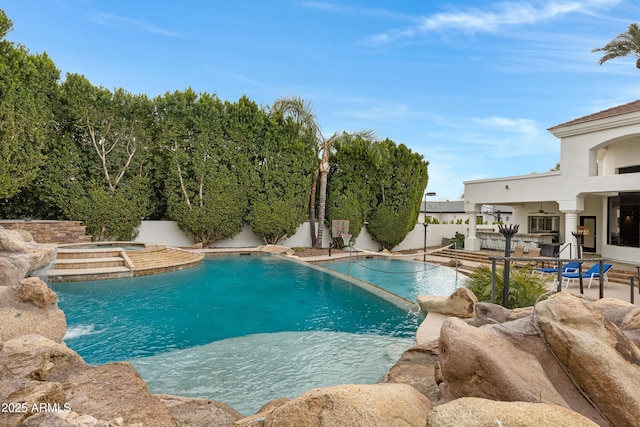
x=624, y=220
x=544, y=224
x=629, y=169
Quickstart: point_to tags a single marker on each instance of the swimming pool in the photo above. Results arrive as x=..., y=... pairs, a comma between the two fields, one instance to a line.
x=242, y=330
x=408, y=279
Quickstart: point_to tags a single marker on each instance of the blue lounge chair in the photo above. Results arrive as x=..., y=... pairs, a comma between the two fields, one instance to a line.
x=592, y=273
x=570, y=267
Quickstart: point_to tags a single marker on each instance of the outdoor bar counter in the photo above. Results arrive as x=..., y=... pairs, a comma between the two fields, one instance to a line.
x=493, y=240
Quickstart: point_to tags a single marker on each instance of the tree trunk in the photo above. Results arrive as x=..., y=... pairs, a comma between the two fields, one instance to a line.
x=312, y=207
x=324, y=173
x=321, y=208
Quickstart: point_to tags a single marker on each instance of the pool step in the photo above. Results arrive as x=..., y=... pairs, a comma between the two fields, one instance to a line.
x=83, y=263
x=104, y=263
x=82, y=274
x=162, y=259
x=86, y=253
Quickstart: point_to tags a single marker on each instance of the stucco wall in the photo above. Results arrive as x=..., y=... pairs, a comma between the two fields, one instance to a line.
x=168, y=232
x=620, y=154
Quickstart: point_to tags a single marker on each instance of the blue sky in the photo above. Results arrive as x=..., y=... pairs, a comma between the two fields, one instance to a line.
x=471, y=85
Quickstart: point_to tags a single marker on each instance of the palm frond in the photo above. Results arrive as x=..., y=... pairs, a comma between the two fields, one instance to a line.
x=625, y=44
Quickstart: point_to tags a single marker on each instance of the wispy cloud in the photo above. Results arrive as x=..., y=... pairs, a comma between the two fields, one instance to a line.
x=351, y=10
x=115, y=21
x=496, y=18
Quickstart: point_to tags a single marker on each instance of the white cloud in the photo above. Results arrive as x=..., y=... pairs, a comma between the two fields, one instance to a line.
x=499, y=16
x=110, y=20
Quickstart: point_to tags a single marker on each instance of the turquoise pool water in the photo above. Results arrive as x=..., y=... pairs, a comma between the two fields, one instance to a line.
x=242, y=330
x=408, y=279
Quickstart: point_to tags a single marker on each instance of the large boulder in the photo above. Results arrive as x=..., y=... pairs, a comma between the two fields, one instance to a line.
x=68, y=419
x=602, y=361
x=507, y=361
x=487, y=313
x=13, y=268
x=461, y=303
x=483, y=362
x=30, y=308
x=416, y=367
x=624, y=315
x=21, y=255
x=38, y=371
x=475, y=412
x=350, y=405
x=193, y=412
x=12, y=241
x=35, y=291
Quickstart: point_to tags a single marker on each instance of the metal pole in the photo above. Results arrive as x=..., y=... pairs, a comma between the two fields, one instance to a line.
x=579, y=235
x=493, y=281
x=559, y=273
x=638, y=277
x=508, y=233
x=601, y=268
x=424, y=246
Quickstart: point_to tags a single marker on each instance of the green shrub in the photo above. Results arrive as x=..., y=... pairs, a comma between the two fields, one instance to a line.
x=524, y=287
x=458, y=239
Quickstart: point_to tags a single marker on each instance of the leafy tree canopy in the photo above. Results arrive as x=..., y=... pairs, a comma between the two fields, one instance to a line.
x=28, y=83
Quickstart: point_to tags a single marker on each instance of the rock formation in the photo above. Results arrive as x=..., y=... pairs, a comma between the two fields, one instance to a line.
x=30, y=308
x=351, y=405
x=552, y=355
x=460, y=303
x=21, y=255
x=474, y=412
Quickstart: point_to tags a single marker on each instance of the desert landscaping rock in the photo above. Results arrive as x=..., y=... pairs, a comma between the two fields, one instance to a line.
x=475, y=412
x=19, y=317
x=461, y=303
x=416, y=367
x=193, y=412
x=600, y=358
x=352, y=405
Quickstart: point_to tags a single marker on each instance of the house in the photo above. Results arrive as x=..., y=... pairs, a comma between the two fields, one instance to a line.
x=595, y=192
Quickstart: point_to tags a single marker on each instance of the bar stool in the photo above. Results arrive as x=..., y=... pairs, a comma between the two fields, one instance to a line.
x=494, y=242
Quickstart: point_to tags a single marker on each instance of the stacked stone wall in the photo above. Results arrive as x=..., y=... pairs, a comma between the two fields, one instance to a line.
x=59, y=232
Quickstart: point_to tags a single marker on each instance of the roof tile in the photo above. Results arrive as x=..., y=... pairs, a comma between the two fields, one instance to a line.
x=611, y=112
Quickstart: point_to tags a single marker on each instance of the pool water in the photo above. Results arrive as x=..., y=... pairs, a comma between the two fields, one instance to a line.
x=219, y=329
x=408, y=279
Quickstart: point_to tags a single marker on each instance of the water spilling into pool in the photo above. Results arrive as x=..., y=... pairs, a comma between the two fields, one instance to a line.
x=217, y=330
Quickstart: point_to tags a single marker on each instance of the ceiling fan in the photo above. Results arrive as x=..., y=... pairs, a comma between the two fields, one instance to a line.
x=541, y=211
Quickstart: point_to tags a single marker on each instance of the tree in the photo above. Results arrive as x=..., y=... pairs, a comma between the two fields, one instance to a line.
x=401, y=180
x=625, y=44
x=97, y=168
x=303, y=111
x=354, y=163
x=283, y=164
x=28, y=84
x=206, y=183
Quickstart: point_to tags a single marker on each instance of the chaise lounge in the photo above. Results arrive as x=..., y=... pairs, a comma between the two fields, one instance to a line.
x=591, y=273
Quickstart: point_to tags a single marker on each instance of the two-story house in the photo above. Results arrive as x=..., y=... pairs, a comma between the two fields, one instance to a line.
x=596, y=190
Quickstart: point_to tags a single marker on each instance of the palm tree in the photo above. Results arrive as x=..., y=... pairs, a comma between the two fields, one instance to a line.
x=625, y=44
x=302, y=112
